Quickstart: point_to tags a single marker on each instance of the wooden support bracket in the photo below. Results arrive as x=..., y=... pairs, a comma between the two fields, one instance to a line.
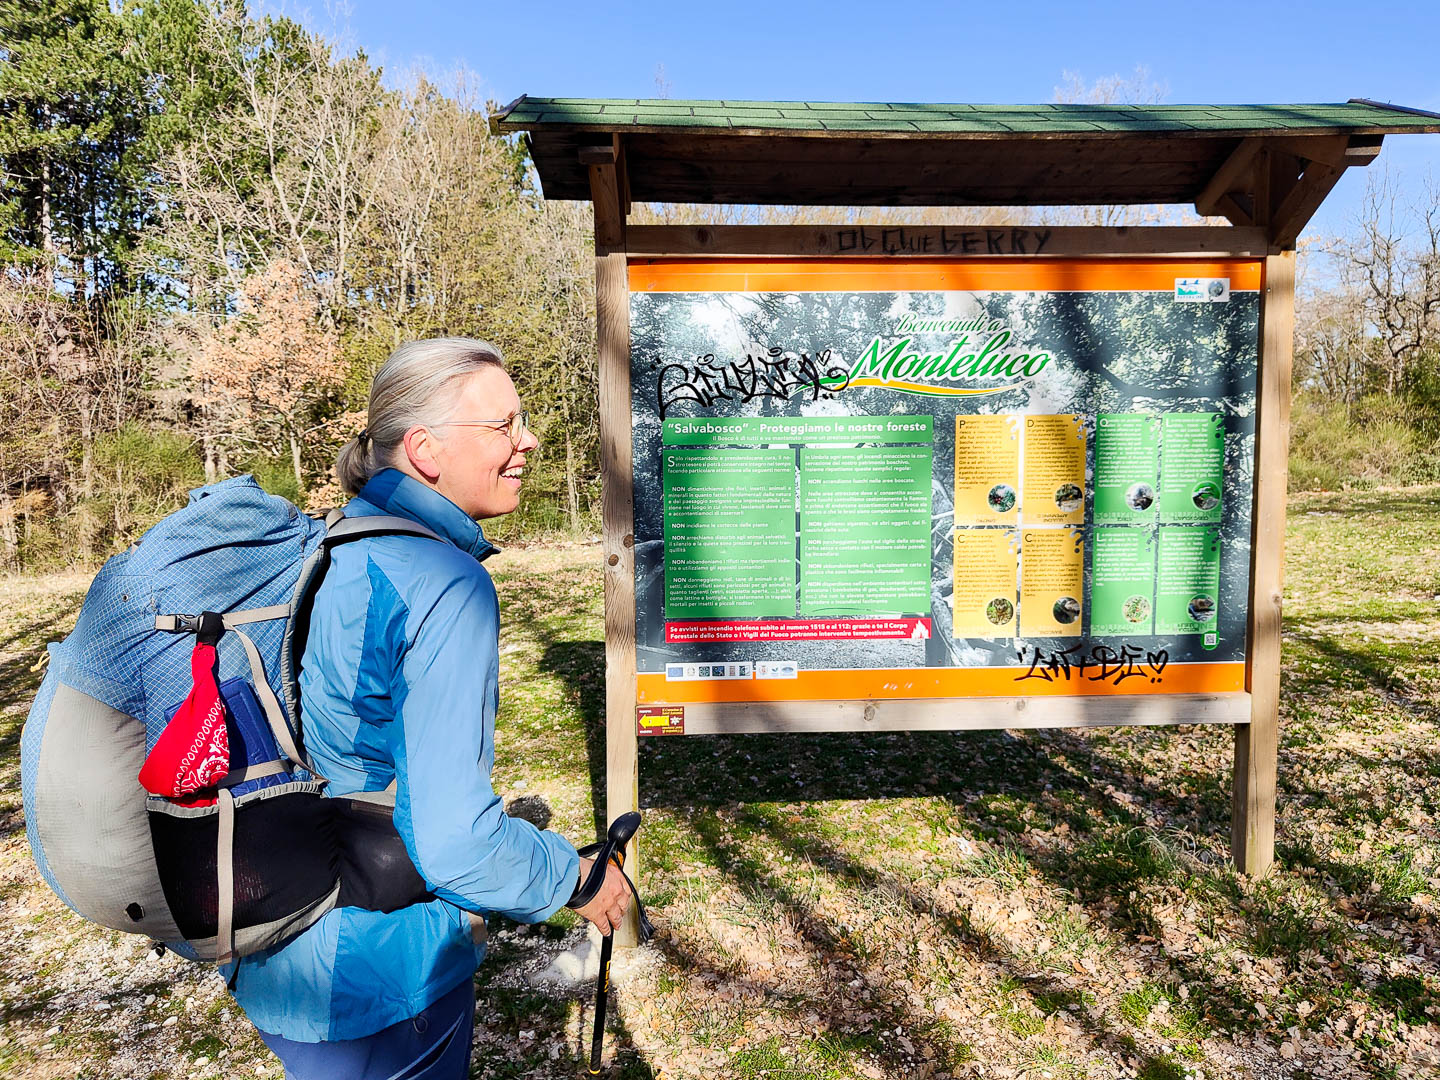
x=1233, y=206
x=1296, y=209
x=1230, y=176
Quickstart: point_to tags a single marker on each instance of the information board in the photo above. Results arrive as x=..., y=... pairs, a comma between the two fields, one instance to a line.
x=859, y=479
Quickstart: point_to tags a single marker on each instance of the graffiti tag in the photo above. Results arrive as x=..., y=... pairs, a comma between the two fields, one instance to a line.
x=774, y=373
x=1101, y=663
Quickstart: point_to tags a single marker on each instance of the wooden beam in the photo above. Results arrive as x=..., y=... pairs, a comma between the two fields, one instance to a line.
x=1295, y=211
x=1363, y=149
x=612, y=310
x=1285, y=172
x=1340, y=150
x=1261, y=200
x=1230, y=207
x=622, y=172
x=966, y=714
x=932, y=241
x=606, y=185
x=1229, y=176
x=1252, y=822
x=597, y=155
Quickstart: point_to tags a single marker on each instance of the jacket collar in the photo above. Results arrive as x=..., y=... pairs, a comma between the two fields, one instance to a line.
x=390, y=491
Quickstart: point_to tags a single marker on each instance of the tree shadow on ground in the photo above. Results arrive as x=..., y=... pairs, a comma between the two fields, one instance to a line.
x=1127, y=829
x=543, y=1015
x=19, y=677
x=1377, y=669
x=856, y=989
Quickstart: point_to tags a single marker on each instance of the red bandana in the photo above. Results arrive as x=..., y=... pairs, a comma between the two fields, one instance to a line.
x=193, y=751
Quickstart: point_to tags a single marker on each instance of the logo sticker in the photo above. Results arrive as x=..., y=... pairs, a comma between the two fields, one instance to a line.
x=1199, y=290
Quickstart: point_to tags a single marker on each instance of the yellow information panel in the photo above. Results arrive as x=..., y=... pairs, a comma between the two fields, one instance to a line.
x=1054, y=485
x=984, y=599
x=867, y=479
x=987, y=469
x=1052, y=583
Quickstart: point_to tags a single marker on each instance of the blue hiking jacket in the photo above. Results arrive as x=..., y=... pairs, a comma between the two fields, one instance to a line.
x=398, y=681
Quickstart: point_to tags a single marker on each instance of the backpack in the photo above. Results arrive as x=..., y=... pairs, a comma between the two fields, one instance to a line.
x=270, y=854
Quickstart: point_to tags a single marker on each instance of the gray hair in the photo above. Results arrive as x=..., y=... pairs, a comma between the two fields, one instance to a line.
x=409, y=390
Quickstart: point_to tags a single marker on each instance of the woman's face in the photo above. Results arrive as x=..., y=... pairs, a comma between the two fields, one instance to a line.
x=479, y=469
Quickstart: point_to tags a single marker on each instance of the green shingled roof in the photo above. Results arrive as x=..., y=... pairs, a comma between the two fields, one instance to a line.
x=879, y=118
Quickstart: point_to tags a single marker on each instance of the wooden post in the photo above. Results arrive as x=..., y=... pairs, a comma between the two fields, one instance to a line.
x=1252, y=825
x=612, y=310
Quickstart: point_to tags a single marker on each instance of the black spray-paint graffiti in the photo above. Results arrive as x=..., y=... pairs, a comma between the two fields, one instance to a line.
x=942, y=241
x=774, y=373
x=1103, y=664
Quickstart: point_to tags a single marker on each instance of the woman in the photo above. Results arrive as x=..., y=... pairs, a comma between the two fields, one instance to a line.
x=398, y=685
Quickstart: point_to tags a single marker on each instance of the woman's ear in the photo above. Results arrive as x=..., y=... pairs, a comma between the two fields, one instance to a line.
x=421, y=452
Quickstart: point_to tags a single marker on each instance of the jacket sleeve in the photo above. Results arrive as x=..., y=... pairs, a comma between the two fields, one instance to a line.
x=468, y=850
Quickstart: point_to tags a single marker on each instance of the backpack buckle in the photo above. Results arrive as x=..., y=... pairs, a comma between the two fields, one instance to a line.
x=207, y=626
x=178, y=624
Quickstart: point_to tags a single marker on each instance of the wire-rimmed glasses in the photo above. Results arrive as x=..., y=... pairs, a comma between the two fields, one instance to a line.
x=514, y=426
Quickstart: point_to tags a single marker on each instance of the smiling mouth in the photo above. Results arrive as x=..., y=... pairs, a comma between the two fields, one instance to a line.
x=513, y=474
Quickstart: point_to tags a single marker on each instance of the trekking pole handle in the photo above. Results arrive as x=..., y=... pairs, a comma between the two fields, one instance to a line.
x=611, y=849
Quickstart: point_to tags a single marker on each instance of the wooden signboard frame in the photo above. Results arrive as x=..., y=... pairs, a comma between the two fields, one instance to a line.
x=1257, y=188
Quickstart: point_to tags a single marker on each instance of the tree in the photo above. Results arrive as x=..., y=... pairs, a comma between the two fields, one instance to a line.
x=1136, y=89
x=289, y=168
x=1395, y=272
x=73, y=116
x=271, y=368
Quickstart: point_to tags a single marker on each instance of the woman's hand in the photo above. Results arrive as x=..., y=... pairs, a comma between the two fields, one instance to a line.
x=607, y=907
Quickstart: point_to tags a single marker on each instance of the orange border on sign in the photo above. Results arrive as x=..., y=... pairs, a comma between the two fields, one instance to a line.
x=965, y=275
x=905, y=683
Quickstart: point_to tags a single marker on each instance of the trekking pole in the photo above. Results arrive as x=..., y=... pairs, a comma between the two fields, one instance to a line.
x=611, y=849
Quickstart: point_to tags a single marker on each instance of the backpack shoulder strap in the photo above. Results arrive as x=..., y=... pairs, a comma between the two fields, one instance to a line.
x=344, y=528
x=339, y=530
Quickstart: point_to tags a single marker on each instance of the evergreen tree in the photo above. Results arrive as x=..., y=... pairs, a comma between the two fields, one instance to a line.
x=73, y=115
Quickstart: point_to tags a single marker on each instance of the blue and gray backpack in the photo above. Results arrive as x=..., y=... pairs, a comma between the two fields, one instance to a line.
x=271, y=855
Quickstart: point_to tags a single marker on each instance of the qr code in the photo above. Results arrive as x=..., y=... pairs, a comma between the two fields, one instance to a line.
x=1210, y=640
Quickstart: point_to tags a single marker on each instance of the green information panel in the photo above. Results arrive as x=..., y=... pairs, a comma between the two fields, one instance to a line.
x=1126, y=468
x=1192, y=467
x=1123, y=582
x=1188, y=594
x=729, y=532
x=865, y=530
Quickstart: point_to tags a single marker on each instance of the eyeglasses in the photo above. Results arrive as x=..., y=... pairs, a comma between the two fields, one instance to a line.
x=514, y=425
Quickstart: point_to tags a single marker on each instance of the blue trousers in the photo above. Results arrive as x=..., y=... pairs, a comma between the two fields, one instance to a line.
x=432, y=1045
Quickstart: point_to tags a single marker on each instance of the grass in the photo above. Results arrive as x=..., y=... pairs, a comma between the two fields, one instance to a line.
x=909, y=904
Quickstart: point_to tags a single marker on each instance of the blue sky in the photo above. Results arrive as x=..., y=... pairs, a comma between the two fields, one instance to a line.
x=1011, y=51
